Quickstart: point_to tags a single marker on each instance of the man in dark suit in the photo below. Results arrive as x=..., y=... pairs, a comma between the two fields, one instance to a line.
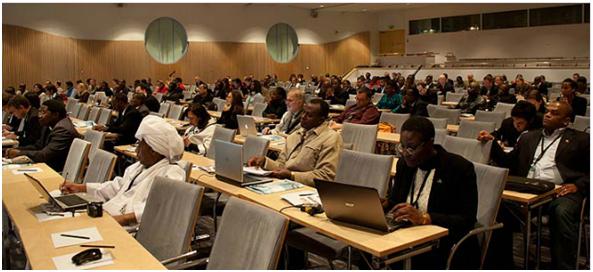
x=560, y=155
x=125, y=125
x=29, y=129
x=151, y=103
x=488, y=88
x=569, y=94
x=56, y=137
x=412, y=104
x=433, y=186
x=138, y=102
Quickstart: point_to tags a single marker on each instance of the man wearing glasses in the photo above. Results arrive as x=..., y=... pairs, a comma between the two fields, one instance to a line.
x=433, y=186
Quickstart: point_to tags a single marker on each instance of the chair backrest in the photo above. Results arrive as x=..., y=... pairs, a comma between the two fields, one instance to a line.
x=359, y=137
x=164, y=109
x=255, y=146
x=394, y=119
x=76, y=110
x=169, y=217
x=130, y=96
x=365, y=169
x=582, y=123
x=91, y=99
x=439, y=135
x=471, y=149
x=187, y=167
x=431, y=109
x=105, y=117
x=490, y=182
x=504, y=107
x=490, y=116
x=350, y=102
x=454, y=97
x=70, y=105
x=100, y=167
x=258, y=109
x=219, y=103
x=159, y=97
x=259, y=98
x=588, y=113
x=438, y=122
x=241, y=219
x=220, y=133
x=471, y=129
x=83, y=112
x=452, y=115
x=175, y=112
x=377, y=97
x=186, y=95
x=586, y=96
x=94, y=114
x=76, y=160
x=96, y=138
x=440, y=99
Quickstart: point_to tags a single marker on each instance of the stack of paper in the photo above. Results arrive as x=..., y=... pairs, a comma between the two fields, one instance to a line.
x=274, y=187
x=256, y=171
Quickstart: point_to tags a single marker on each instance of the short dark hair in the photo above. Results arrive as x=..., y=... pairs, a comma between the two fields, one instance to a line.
x=573, y=84
x=582, y=79
x=366, y=91
x=323, y=107
x=18, y=101
x=525, y=110
x=141, y=97
x=391, y=83
x=69, y=83
x=56, y=106
x=281, y=92
x=33, y=98
x=200, y=111
x=421, y=125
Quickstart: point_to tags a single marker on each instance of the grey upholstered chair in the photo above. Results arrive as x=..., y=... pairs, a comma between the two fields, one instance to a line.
x=454, y=97
x=490, y=182
x=96, y=138
x=175, y=112
x=70, y=105
x=471, y=129
x=100, y=167
x=452, y=115
x=394, y=119
x=94, y=114
x=104, y=117
x=490, y=116
x=76, y=160
x=431, y=108
x=220, y=133
x=255, y=146
x=264, y=228
x=219, y=103
x=582, y=123
x=158, y=114
x=187, y=167
x=359, y=137
x=438, y=122
x=159, y=97
x=75, y=110
x=164, y=109
x=504, y=107
x=83, y=113
x=471, y=149
x=439, y=135
x=258, y=109
x=170, y=215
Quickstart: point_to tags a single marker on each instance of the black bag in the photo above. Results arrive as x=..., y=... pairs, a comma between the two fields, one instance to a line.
x=527, y=185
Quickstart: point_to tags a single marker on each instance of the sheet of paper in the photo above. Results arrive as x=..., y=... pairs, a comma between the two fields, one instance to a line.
x=61, y=241
x=64, y=262
x=209, y=169
x=302, y=197
x=29, y=170
x=42, y=217
x=255, y=170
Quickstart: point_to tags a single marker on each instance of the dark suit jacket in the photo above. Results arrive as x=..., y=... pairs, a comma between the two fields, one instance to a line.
x=31, y=129
x=452, y=204
x=418, y=109
x=53, y=145
x=572, y=157
x=579, y=106
x=508, y=134
x=126, y=126
x=152, y=103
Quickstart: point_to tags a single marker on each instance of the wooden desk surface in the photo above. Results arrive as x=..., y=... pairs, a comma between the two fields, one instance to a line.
x=527, y=199
x=82, y=130
x=258, y=119
x=9, y=143
x=20, y=199
x=180, y=125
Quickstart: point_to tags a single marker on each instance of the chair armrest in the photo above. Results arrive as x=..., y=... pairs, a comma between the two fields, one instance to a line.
x=180, y=257
x=471, y=233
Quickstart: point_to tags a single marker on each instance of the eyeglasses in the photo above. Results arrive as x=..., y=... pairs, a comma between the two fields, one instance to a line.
x=409, y=150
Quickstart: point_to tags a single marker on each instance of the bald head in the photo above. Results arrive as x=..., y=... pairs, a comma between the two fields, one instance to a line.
x=558, y=115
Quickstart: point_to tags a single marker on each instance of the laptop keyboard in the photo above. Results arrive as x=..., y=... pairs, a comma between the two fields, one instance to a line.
x=72, y=200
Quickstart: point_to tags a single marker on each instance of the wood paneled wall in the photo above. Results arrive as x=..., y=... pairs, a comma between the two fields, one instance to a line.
x=31, y=56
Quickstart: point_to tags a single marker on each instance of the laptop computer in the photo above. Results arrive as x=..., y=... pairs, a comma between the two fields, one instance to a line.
x=247, y=126
x=356, y=205
x=228, y=165
x=69, y=202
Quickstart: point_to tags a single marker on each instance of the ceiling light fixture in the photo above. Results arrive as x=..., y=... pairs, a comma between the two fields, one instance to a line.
x=321, y=6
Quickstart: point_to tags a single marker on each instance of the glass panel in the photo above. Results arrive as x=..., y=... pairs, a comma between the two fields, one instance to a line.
x=165, y=40
x=507, y=19
x=461, y=23
x=587, y=7
x=282, y=43
x=556, y=15
x=425, y=26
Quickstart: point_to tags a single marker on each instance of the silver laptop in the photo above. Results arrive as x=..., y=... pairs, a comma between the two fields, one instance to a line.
x=228, y=165
x=356, y=205
x=64, y=203
x=247, y=126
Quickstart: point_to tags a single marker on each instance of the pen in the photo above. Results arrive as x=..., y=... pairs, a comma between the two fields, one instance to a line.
x=75, y=236
x=308, y=194
x=98, y=246
x=27, y=170
x=54, y=214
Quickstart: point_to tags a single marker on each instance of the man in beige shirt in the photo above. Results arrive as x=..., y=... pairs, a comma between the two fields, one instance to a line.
x=310, y=152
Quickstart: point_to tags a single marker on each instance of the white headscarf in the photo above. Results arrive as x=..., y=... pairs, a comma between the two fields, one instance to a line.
x=161, y=136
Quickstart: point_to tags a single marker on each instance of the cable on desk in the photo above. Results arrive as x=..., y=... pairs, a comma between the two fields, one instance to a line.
x=291, y=206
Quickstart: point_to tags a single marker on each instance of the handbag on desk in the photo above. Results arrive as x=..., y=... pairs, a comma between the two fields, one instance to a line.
x=528, y=185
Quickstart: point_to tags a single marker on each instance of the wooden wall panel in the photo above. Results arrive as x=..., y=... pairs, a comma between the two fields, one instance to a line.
x=31, y=56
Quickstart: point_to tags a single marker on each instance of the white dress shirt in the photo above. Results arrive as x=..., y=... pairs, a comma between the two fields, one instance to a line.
x=545, y=168
x=423, y=195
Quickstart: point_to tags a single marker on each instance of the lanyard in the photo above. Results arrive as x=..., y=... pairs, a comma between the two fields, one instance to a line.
x=415, y=202
x=134, y=179
x=544, y=150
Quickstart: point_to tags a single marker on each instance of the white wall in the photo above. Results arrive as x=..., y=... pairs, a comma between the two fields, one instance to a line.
x=546, y=41
x=203, y=22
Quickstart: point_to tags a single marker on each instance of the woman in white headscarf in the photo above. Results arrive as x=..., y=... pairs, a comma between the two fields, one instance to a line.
x=159, y=149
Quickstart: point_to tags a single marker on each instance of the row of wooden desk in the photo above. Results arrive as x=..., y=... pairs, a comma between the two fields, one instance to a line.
x=21, y=201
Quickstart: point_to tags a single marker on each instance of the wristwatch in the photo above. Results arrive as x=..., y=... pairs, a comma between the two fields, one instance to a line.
x=425, y=218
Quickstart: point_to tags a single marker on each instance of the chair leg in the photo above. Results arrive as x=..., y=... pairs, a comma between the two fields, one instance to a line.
x=580, y=236
x=349, y=267
x=331, y=264
x=286, y=256
x=214, y=211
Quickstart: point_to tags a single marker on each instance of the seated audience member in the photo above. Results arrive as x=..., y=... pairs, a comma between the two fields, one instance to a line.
x=138, y=103
x=429, y=82
x=29, y=129
x=161, y=88
x=472, y=101
x=83, y=93
x=311, y=152
x=197, y=137
x=33, y=99
x=435, y=187
x=151, y=103
x=232, y=107
x=535, y=98
x=582, y=85
x=539, y=83
x=426, y=95
x=336, y=94
x=488, y=89
x=126, y=123
x=391, y=98
x=347, y=87
x=412, y=104
x=569, y=95
x=444, y=86
x=363, y=112
x=104, y=87
x=291, y=120
x=470, y=78
x=557, y=154
x=204, y=96
x=504, y=96
x=175, y=92
x=459, y=82
x=523, y=118
x=277, y=104
x=56, y=137
x=125, y=197
x=22, y=89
